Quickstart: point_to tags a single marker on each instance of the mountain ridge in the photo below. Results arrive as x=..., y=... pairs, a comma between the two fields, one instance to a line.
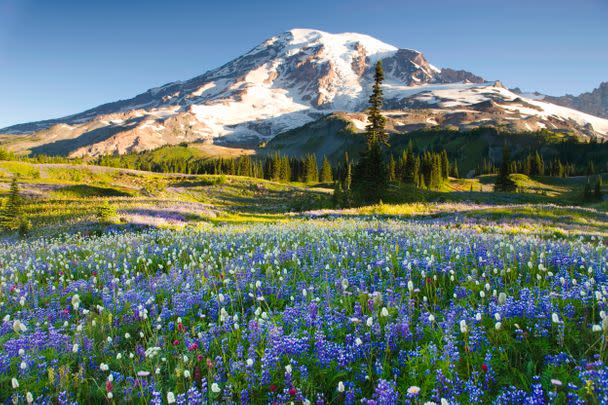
x=594, y=102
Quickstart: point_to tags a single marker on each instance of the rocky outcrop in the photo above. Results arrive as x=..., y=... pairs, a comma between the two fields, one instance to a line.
x=594, y=102
x=410, y=67
x=448, y=75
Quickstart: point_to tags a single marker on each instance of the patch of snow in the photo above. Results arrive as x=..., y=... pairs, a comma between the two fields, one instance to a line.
x=360, y=125
x=207, y=86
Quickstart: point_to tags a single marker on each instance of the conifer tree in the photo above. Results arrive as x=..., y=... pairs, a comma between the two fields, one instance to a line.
x=12, y=213
x=445, y=165
x=412, y=168
x=326, y=172
x=311, y=171
x=421, y=181
x=376, y=121
x=348, y=175
x=371, y=174
x=503, y=180
x=392, y=167
x=454, y=168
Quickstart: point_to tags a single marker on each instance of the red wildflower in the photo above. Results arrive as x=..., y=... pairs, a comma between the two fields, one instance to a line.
x=180, y=327
x=175, y=342
x=292, y=391
x=209, y=363
x=273, y=388
x=484, y=367
x=109, y=386
x=193, y=347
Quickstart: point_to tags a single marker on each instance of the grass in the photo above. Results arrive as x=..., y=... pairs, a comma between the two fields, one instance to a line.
x=21, y=169
x=85, y=191
x=65, y=196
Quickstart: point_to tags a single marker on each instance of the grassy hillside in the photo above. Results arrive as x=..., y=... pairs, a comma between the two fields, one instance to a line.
x=330, y=136
x=61, y=196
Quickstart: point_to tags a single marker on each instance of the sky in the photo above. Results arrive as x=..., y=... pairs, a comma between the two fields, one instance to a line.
x=62, y=57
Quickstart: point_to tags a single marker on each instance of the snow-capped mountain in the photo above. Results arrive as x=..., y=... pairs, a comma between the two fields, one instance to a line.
x=287, y=81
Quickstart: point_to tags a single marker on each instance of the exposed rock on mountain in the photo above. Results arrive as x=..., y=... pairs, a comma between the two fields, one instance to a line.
x=594, y=102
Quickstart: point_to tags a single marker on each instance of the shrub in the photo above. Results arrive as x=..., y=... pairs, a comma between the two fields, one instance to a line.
x=105, y=212
x=25, y=226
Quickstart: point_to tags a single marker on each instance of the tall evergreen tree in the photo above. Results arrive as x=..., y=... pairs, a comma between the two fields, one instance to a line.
x=12, y=213
x=348, y=173
x=371, y=173
x=445, y=165
x=412, y=169
x=503, y=180
x=311, y=171
x=454, y=170
x=392, y=168
x=326, y=172
x=376, y=121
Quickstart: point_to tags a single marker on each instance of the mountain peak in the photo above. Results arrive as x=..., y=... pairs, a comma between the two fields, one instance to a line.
x=304, y=36
x=287, y=81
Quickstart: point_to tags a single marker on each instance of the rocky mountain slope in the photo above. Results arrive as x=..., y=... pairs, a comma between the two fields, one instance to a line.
x=594, y=102
x=290, y=80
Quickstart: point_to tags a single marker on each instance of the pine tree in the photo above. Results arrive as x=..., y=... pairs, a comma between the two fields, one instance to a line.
x=538, y=166
x=412, y=168
x=392, y=168
x=455, y=172
x=346, y=194
x=371, y=173
x=311, y=172
x=376, y=121
x=12, y=214
x=348, y=175
x=326, y=172
x=445, y=165
x=421, y=181
x=285, y=171
x=503, y=180
x=276, y=167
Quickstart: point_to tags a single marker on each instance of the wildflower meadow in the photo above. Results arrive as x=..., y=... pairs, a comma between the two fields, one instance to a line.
x=310, y=311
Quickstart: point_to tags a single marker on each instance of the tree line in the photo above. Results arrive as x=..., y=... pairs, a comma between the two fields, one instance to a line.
x=534, y=165
x=276, y=167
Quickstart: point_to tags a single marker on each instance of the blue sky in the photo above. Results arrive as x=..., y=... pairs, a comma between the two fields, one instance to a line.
x=61, y=57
